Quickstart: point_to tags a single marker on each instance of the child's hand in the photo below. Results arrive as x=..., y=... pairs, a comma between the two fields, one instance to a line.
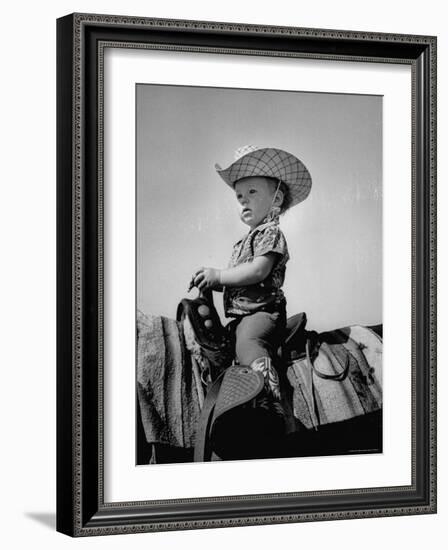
x=205, y=278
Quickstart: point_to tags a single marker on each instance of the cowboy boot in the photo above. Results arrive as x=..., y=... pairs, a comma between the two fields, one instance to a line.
x=271, y=380
x=270, y=399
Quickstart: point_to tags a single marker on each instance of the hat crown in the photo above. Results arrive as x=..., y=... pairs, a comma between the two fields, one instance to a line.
x=244, y=150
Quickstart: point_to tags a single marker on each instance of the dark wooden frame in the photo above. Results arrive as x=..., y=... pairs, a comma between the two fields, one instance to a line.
x=81, y=510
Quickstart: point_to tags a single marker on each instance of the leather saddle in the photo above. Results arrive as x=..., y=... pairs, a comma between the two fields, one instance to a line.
x=236, y=421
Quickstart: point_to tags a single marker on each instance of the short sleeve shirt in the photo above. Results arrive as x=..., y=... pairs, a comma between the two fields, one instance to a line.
x=266, y=295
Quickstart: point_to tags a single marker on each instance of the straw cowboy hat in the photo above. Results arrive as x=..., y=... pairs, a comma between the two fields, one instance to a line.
x=270, y=162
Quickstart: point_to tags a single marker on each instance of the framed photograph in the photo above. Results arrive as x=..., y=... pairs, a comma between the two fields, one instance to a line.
x=246, y=274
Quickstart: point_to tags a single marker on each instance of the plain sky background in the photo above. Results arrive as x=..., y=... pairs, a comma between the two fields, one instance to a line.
x=188, y=217
x=28, y=277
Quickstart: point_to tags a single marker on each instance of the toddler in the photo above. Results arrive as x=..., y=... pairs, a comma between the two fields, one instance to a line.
x=266, y=182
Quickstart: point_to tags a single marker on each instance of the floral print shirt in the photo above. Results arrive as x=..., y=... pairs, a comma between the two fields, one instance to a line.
x=266, y=295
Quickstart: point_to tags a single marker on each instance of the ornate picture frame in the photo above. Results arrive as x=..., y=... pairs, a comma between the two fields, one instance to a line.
x=81, y=506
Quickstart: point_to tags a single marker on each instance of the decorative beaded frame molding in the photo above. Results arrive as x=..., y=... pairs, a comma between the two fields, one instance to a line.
x=81, y=39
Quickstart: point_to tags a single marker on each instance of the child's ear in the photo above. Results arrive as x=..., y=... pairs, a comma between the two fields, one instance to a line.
x=279, y=198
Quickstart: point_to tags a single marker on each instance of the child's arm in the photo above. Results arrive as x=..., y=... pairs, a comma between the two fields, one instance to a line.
x=245, y=274
x=248, y=273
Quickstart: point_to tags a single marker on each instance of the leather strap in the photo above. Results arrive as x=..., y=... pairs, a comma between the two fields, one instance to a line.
x=338, y=376
x=312, y=406
x=202, y=450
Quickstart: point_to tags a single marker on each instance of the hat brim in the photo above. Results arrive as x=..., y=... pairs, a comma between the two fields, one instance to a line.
x=273, y=163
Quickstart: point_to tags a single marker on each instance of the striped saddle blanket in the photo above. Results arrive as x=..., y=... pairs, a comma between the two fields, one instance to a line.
x=343, y=381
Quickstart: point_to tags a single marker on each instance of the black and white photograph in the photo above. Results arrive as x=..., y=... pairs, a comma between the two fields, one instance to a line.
x=259, y=287
x=245, y=215
x=223, y=254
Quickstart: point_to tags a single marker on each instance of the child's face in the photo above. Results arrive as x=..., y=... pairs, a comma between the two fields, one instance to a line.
x=255, y=195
